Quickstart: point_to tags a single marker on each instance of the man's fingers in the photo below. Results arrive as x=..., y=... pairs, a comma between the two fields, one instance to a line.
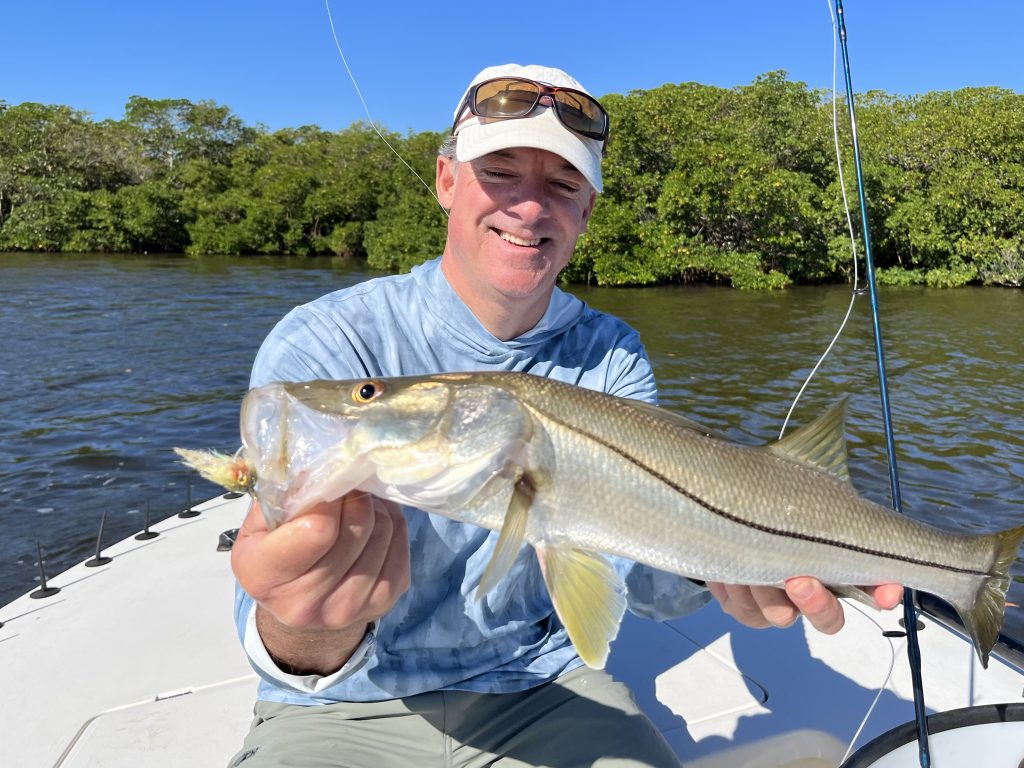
x=738, y=601
x=775, y=606
x=254, y=521
x=760, y=606
x=356, y=523
x=380, y=573
x=814, y=601
x=887, y=596
x=264, y=560
x=374, y=535
x=395, y=574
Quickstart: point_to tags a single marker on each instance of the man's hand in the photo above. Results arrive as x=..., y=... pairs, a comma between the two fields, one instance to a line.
x=321, y=577
x=773, y=607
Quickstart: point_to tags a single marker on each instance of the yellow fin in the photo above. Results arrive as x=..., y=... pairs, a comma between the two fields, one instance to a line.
x=822, y=443
x=510, y=540
x=588, y=596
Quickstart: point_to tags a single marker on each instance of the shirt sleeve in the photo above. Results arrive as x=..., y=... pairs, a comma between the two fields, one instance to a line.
x=263, y=663
x=629, y=371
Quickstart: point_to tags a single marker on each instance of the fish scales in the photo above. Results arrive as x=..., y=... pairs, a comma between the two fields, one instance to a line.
x=577, y=473
x=794, y=504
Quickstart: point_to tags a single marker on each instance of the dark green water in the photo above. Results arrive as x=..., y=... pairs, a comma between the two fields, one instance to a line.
x=106, y=363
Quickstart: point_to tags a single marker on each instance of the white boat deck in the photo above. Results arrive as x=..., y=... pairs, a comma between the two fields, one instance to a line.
x=136, y=663
x=132, y=663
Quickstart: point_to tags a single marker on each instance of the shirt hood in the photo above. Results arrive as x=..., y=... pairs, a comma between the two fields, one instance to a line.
x=451, y=312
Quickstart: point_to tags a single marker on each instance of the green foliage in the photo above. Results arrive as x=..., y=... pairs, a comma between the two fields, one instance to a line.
x=731, y=185
x=411, y=229
x=707, y=183
x=616, y=242
x=410, y=226
x=152, y=218
x=899, y=276
x=950, y=277
x=996, y=261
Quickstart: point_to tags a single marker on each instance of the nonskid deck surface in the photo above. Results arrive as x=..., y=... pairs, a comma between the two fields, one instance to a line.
x=132, y=663
x=137, y=663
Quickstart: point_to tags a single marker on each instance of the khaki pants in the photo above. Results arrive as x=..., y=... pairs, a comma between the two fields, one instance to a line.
x=583, y=719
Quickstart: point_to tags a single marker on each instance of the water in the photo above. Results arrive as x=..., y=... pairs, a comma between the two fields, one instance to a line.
x=106, y=363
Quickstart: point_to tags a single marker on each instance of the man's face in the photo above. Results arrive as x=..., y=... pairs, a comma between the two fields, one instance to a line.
x=514, y=217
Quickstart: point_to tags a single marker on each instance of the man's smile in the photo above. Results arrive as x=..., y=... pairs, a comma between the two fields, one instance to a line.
x=508, y=237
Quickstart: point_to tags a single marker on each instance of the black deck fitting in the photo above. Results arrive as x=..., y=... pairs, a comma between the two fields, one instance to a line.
x=99, y=558
x=226, y=540
x=44, y=590
x=146, y=534
x=232, y=495
x=918, y=622
x=188, y=511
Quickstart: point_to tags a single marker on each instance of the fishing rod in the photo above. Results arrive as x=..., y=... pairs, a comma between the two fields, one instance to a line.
x=909, y=609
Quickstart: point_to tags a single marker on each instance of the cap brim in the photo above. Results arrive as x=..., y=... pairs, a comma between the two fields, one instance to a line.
x=542, y=130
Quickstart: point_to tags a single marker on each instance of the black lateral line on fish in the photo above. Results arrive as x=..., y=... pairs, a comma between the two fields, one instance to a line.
x=757, y=526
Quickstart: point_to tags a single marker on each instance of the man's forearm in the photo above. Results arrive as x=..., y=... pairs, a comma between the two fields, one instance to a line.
x=308, y=651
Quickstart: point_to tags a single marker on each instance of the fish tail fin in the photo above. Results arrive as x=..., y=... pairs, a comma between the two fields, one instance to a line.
x=227, y=471
x=984, y=618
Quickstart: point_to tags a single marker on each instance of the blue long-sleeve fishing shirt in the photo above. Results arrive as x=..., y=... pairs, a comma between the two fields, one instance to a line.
x=438, y=636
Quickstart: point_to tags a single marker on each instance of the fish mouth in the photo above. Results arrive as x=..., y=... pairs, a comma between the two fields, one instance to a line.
x=289, y=445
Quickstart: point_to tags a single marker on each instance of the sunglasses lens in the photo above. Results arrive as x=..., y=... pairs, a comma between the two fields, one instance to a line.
x=512, y=97
x=581, y=113
x=505, y=98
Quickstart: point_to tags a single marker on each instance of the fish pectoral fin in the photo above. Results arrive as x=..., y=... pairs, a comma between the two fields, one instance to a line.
x=588, y=596
x=510, y=540
x=853, y=593
x=822, y=443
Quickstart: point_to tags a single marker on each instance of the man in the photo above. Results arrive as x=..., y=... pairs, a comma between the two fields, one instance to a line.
x=360, y=617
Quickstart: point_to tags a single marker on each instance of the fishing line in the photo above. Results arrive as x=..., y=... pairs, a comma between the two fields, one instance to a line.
x=366, y=109
x=910, y=614
x=885, y=682
x=856, y=290
x=909, y=610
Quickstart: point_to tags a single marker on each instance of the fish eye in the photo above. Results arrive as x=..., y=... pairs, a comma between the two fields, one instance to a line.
x=367, y=391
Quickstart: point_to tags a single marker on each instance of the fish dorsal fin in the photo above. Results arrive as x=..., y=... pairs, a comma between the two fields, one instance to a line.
x=510, y=540
x=588, y=596
x=822, y=443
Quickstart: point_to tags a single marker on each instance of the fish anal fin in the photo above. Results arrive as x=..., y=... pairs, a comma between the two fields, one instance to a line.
x=588, y=596
x=510, y=539
x=822, y=443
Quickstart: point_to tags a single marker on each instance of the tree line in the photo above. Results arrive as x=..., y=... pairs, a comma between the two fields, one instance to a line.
x=736, y=185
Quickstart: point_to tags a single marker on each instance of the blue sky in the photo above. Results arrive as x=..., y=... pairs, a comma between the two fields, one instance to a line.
x=275, y=62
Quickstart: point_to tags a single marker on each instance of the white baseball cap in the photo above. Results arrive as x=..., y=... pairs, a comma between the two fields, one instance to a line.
x=540, y=130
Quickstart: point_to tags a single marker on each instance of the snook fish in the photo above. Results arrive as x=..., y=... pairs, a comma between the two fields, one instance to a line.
x=577, y=473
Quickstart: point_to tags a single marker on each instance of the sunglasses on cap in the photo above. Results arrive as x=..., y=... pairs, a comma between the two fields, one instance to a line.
x=506, y=98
